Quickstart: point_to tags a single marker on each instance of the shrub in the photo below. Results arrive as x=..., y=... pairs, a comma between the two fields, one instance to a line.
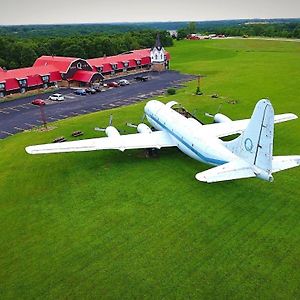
x=171, y=91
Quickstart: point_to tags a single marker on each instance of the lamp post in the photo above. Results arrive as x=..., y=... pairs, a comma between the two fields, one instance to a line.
x=198, y=90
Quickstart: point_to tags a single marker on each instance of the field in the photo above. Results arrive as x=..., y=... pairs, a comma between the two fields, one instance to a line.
x=116, y=225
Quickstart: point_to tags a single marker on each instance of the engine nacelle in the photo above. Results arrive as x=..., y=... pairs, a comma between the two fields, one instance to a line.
x=220, y=118
x=143, y=128
x=112, y=131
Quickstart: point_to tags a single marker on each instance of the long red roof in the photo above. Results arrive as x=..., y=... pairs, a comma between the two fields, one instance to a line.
x=32, y=74
x=132, y=55
x=23, y=73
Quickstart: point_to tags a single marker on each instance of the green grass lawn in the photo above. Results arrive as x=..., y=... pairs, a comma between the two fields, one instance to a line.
x=116, y=225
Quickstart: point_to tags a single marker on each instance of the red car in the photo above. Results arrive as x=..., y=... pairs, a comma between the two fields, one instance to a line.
x=38, y=102
x=113, y=84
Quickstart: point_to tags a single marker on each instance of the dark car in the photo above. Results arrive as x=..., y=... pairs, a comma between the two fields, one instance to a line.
x=141, y=78
x=38, y=102
x=90, y=91
x=113, y=84
x=80, y=92
x=97, y=89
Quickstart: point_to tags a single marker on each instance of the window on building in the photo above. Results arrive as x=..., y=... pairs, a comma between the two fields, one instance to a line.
x=23, y=82
x=45, y=78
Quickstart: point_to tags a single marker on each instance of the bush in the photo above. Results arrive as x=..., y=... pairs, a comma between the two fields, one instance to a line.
x=171, y=91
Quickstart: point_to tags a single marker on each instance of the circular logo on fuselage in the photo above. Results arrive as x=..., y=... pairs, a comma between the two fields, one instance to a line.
x=248, y=144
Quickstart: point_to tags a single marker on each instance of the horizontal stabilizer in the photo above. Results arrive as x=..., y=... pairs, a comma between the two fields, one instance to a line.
x=280, y=163
x=232, y=170
x=234, y=127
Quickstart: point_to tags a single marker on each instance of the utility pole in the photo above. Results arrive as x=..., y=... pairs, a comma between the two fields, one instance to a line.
x=43, y=116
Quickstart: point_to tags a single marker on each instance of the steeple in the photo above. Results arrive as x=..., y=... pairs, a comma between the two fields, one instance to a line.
x=158, y=44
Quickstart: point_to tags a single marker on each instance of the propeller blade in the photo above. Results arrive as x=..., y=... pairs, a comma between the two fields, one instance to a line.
x=110, y=120
x=219, y=108
x=143, y=118
x=99, y=129
x=131, y=125
x=209, y=115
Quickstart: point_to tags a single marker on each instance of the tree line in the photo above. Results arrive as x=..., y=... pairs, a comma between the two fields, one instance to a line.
x=16, y=52
x=272, y=29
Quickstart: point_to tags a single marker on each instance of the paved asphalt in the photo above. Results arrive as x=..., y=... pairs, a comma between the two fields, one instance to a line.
x=19, y=115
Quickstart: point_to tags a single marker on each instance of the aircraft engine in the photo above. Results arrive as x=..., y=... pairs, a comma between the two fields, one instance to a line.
x=112, y=131
x=143, y=128
x=220, y=118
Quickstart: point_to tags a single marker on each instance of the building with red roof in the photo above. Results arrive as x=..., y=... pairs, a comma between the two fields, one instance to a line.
x=20, y=80
x=50, y=70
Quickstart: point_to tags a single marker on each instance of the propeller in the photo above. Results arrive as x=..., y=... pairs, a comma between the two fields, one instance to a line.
x=131, y=125
x=109, y=124
x=211, y=115
x=143, y=118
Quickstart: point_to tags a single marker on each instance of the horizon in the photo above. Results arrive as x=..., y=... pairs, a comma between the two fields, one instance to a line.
x=149, y=22
x=34, y=12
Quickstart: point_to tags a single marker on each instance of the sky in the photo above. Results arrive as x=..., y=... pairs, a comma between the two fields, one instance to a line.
x=99, y=11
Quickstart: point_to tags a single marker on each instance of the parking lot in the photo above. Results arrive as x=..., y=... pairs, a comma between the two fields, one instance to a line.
x=19, y=115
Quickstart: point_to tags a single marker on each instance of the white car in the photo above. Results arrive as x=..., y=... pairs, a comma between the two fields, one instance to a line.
x=123, y=82
x=57, y=97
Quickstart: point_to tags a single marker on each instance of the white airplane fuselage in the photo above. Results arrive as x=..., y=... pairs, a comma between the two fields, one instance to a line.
x=188, y=134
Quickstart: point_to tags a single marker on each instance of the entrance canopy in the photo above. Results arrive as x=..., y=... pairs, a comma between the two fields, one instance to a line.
x=86, y=76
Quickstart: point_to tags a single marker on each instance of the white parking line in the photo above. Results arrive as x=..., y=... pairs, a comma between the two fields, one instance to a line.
x=6, y=132
x=28, y=124
x=12, y=108
x=18, y=128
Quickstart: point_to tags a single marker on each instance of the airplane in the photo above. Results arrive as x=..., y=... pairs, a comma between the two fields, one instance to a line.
x=248, y=155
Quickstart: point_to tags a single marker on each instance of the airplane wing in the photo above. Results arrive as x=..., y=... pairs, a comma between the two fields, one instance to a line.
x=156, y=139
x=229, y=128
x=233, y=170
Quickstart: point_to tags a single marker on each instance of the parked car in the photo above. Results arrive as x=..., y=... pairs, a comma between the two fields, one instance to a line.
x=90, y=90
x=38, y=102
x=57, y=97
x=80, y=92
x=97, y=89
x=141, y=78
x=112, y=84
x=123, y=82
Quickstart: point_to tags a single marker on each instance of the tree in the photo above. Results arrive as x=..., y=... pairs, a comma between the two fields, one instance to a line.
x=192, y=27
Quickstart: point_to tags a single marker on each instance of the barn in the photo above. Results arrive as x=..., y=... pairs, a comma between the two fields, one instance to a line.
x=71, y=71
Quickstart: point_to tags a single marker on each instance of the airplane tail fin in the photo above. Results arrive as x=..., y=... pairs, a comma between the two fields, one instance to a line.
x=254, y=148
x=255, y=144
